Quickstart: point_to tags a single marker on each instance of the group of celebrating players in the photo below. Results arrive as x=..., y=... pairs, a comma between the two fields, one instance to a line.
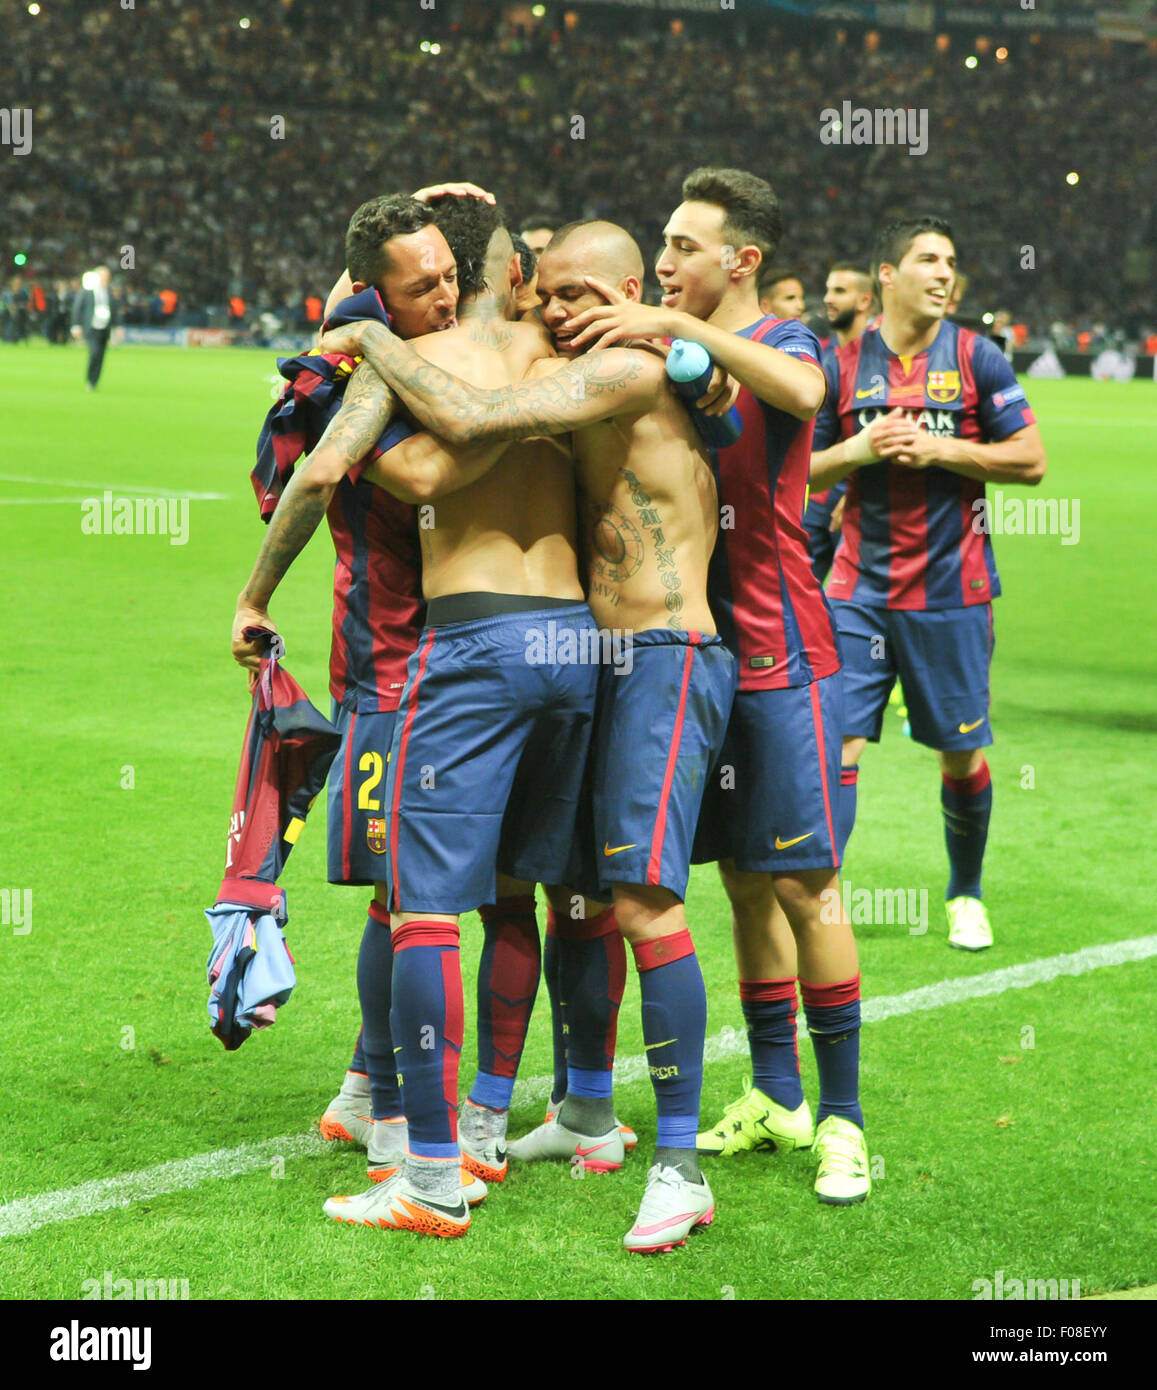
x=509, y=479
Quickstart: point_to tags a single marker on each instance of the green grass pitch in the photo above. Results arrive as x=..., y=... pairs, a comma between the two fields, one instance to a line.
x=122, y=718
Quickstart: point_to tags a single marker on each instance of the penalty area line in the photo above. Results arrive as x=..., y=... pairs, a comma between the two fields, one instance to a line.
x=104, y=1194
x=114, y=488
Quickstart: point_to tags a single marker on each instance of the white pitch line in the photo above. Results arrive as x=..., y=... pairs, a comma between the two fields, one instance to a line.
x=103, y=1194
x=113, y=488
x=1034, y=972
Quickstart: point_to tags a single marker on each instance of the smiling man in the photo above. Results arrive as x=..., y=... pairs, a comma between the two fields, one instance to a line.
x=767, y=817
x=925, y=413
x=393, y=245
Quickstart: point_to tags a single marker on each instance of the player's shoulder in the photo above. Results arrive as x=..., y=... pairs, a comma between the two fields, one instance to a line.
x=639, y=362
x=987, y=365
x=532, y=337
x=789, y=335
x=982, y=349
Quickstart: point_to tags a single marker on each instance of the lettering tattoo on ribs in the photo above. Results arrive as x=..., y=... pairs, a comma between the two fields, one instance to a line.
x=652, y=523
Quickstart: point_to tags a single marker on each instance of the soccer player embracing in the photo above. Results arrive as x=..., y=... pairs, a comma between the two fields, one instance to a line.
x=768, y=815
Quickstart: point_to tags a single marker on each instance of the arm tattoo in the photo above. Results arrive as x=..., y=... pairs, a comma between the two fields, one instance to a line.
x=652, y=524
x=366, y=410
x=592, y=387
x=353, y=431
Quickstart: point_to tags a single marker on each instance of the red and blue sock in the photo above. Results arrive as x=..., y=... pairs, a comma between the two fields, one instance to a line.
x=769, y=1007
x=550, y=973
x=592, y=967
x=833, y=1020
x=967, y=806
x=375, y=1047
x=846, y=807
x=674, y=1028
x=426, y=1022
x=507, y=984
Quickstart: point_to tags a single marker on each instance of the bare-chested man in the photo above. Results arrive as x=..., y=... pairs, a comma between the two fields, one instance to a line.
x=650, y=522
x=481, y=722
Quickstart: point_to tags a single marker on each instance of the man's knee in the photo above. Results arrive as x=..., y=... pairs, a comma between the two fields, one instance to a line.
x=804, y=895
x=507, y=887
x=751, y=895
x=853, y=751
x=570, y=906
x=647, y=911
x=960, y=762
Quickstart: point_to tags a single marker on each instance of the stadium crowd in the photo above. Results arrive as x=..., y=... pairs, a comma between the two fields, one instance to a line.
x=156, y=128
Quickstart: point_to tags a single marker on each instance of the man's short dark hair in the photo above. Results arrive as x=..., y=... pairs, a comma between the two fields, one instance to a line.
x=752, y=216
x=526, y=259
x=850, y=268
x=895, y=239
x=539, y=222
x=467, y=224
x=771, y=277
x=375, y=223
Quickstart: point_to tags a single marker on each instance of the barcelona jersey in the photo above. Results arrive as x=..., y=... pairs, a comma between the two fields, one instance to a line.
x=767, y=602
x=378, y=609
x=909, y=539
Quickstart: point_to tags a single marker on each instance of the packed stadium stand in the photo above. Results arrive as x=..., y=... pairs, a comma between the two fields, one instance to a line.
x=155, y=128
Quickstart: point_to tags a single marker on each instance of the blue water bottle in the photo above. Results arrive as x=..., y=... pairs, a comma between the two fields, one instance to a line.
x=689, y=366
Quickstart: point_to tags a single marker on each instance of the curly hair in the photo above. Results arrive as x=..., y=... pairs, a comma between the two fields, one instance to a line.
x=375, y=223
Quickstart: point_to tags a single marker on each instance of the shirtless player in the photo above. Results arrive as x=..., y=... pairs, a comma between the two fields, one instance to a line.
x=651, y=527
x=478, y=721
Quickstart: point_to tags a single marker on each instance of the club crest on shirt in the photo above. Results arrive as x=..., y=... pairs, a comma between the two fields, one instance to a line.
x=943, y=387
x=376, y=835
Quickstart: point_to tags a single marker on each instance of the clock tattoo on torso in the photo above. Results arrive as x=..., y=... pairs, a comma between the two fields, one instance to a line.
x=618, y=545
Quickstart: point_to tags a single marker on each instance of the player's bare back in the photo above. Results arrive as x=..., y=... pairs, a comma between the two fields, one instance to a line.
x=513, y=530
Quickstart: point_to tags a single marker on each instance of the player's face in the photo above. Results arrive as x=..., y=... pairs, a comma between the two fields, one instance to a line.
x=563, y=294
x=785, y=301
x=421, y=286
x=922, y=283
x=538, y=239
x=694, y=266
x=842, y=297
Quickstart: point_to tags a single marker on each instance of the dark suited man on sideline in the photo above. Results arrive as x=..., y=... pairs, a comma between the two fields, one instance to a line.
x=93, y=314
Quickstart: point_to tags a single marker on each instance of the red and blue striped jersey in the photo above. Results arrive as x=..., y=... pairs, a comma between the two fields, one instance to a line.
x=768, y=604
x=908, y=536
x=288, y=750
x=378, y=609
x=821, y=504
